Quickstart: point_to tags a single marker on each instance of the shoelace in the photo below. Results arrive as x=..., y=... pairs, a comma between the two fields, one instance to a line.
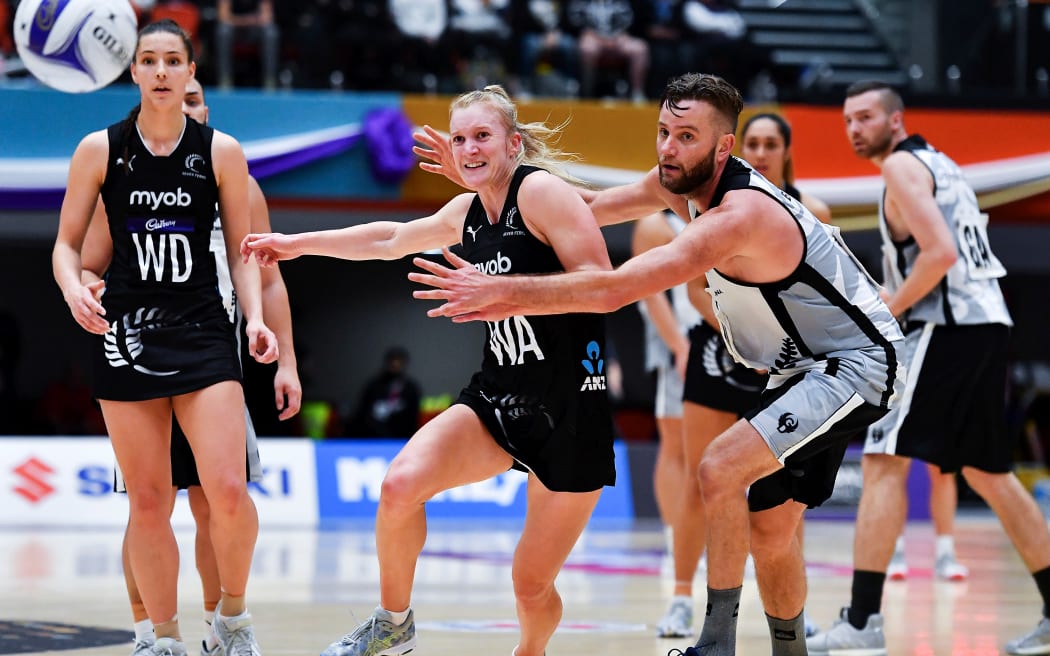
x=241, y=643
x=369, y=625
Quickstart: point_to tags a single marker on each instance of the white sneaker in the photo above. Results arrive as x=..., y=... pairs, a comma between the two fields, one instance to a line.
x=949, y=569
x=236, y=636
x=898, y=569
x=812, y=628
x=1036, y=641
x=142, y=647
x=677, y=622
x=167, y=647
x=844, y=640
x=377, y=636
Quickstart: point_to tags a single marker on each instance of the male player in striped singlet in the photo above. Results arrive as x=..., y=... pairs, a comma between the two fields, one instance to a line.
x=942, y=281
x=789, y=297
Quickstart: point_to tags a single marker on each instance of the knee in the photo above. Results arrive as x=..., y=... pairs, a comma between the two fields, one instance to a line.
x=400, y=489
x=149, y=502
x=880, y=469
x=529, y=589
x=226, y=495
x=714, y=479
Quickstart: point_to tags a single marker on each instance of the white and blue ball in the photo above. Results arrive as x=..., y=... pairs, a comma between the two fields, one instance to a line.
x=76, y=45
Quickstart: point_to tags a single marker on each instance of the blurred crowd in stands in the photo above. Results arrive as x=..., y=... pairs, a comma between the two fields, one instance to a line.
x=574, y=48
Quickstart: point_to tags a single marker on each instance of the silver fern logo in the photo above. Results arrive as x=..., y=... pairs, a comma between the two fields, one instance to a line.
x=123, y=342
x=717, y=363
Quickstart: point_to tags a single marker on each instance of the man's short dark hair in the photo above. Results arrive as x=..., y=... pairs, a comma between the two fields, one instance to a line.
x=890, y=98
x=707, y=88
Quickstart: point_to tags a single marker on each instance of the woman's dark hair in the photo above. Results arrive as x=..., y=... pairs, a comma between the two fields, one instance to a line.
x=167, y=26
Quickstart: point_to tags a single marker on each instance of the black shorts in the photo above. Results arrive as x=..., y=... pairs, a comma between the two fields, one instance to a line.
x=714, y=379
x=953, y=410
x=808, y=475
x=565, y=455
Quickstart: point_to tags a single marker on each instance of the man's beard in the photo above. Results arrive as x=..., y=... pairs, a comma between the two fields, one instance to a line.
x=879, y=147
x=691, y=179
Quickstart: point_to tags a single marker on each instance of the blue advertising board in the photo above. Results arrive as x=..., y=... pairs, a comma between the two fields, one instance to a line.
x=350, y=476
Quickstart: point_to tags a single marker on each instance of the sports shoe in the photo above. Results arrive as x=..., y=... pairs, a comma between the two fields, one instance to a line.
x=167, y=647
x=949, y=569
x=898, y=569
x=844, y=640
x=142, y=646
x=377, y=636
x=236, y=636
x=677, y=622
x=1037, y=641
x=214, y=651
x=812, y=628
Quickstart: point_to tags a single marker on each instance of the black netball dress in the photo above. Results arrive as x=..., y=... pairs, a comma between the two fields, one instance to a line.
x=169, y=333
x=541, y=391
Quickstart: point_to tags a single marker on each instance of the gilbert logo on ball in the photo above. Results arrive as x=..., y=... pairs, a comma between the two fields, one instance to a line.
x=76, y=45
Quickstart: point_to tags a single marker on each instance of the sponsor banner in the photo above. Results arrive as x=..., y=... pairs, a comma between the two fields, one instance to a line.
x=350, y=476
x=69, y=482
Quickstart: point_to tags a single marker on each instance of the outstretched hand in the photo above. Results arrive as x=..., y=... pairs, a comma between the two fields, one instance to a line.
x=469, y=295
x=268, y=248
x=439, y=152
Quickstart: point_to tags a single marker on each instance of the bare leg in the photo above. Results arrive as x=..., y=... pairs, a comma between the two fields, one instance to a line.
x=140, y=432
x=452, y=449
x=779, y=568
x=669, y=473
x=701, y=426
x=553, y=524
x=883, y=509
x=138, y=609
x=207, y=567
x=944, y=498
x=217, y=437
x=736, y=459
x=1017, y=510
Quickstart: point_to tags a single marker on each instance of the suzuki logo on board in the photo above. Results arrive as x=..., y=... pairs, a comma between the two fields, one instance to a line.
x=33, y=485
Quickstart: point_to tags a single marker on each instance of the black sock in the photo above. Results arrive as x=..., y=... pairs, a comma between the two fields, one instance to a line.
x=1042, y=581
x=789, y=636
x=866, y=596
x=718, y=637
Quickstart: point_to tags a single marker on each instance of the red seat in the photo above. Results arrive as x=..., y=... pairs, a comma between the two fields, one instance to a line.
x=186, y=14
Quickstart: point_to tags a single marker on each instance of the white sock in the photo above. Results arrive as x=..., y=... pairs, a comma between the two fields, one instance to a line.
x=144, y=631
x=686, y=599
x=399, y=617
x=209, y=633
x=234, y=618
x=899, y=548
x=945, y=546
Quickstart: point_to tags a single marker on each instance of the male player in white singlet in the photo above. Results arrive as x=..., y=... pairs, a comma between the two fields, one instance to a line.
x=942, y=282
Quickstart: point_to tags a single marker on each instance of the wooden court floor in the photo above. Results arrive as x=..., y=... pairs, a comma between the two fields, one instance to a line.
x=308, y=585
